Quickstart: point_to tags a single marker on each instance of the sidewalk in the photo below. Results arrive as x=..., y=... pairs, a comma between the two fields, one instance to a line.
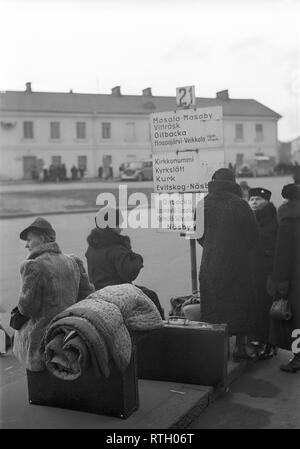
x=163, y=405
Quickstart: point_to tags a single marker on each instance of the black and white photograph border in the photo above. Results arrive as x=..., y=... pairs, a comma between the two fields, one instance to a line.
x=150, y=217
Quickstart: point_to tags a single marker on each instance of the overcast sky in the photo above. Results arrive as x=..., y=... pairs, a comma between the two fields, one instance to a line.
x=250, y=47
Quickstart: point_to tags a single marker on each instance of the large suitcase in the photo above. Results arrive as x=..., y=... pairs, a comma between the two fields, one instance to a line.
x=115, y=396
x=185, y=351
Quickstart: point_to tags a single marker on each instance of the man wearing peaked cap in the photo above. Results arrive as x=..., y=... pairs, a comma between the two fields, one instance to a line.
x=261, y=263
x=259, y=197
x=261, y=192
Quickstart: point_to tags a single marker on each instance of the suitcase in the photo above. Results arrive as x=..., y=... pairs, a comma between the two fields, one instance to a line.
x=185, y=351
x=115, y=396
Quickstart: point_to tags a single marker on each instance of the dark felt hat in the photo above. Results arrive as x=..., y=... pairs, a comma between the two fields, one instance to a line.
x=291, y=192
x=260, y=191
x=223, y=174
x=40, y=225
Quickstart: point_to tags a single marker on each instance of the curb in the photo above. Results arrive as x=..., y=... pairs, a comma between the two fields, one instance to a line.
x=211, y=396
x=37, y=214
x=60, y=212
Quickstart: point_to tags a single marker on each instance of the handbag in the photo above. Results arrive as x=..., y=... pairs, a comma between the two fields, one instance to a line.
x=281, y=310
x=17, y=320
x=179, y=302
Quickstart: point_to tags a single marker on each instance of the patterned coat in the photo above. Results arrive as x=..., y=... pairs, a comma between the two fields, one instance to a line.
x=51, y=282
x=230, y=231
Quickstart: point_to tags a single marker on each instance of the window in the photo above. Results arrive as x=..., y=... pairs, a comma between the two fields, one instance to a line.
x=259, y=131
x=130, y=131
x=28, y=130
x=54, y=130
x=82, y=162
x=106, y=131
x=80, y=130
x=239, y=131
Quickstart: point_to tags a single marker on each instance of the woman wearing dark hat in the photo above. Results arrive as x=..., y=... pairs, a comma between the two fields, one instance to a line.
x=230, y=231
x=51, y=282
x=286, y=272
x=110, y=258
x=261, y=264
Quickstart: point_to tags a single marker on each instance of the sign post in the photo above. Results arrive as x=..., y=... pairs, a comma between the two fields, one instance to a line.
x=187, y=148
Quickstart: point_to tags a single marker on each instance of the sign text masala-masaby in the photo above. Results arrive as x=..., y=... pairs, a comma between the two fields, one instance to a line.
x=187, y=129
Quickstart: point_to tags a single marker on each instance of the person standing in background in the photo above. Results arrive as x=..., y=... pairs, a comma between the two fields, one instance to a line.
x=230, y=231
x=261, y=265
x=285, y=279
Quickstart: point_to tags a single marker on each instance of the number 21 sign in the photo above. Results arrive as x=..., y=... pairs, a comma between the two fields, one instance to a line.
x=185, y=96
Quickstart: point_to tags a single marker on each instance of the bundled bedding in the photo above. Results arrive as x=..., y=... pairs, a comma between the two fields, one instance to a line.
x=97, y=330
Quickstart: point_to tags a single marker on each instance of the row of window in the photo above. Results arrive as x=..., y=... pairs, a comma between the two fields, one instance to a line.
x=239, y=132
x=80, y=130
x=81, y=134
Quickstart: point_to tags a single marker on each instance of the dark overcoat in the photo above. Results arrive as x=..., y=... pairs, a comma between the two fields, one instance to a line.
x=111, y=261
x=261, y=265
x=286, y=272
x=230, y=231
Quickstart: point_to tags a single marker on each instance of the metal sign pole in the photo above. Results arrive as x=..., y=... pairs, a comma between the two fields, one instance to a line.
x=193, y=265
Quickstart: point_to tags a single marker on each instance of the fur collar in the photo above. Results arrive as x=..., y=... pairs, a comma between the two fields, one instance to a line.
x=51, y=247
x=290, y=209
x=224, y=187
x=100, y=238
x=266, y=214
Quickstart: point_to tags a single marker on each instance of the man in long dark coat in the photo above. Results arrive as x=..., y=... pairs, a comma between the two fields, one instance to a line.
x=286, y=273
x=261, y=264
x=230, y=231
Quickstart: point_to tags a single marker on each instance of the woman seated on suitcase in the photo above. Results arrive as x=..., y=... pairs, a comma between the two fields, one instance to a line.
x=51, y=282
x=110, y=258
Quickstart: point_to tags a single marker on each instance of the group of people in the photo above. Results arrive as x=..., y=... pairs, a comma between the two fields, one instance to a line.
x=107, y=173
x=58, y=173
x=52, y=281
x=251, y=257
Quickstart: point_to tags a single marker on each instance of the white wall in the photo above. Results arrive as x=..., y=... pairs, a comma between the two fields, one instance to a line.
x=13, y=146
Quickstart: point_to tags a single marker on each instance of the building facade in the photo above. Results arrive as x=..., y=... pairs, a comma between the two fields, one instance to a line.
x=295, y=150
x=38, y=129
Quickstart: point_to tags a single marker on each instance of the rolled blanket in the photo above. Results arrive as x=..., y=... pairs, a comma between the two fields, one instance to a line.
x=138, y=311
x=67, y=357
x=101, y=328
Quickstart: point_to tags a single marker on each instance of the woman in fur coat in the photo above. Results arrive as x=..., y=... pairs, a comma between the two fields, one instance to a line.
x=230, y=231
x=261, y=264
x=286, y=273
x=51, y=282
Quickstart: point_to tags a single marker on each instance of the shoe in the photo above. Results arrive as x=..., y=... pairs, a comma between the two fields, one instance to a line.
x=292, y=367
x=268, y=352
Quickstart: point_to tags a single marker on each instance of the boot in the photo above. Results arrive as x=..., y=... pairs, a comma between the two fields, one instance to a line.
x=267, y=352
x=293, y=366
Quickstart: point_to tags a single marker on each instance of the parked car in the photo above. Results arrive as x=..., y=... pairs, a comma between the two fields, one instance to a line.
x=263, y=166
x=138, y=171
x=245, y=171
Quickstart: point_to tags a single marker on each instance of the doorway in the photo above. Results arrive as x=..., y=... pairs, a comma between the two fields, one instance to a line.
x=29, y=166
